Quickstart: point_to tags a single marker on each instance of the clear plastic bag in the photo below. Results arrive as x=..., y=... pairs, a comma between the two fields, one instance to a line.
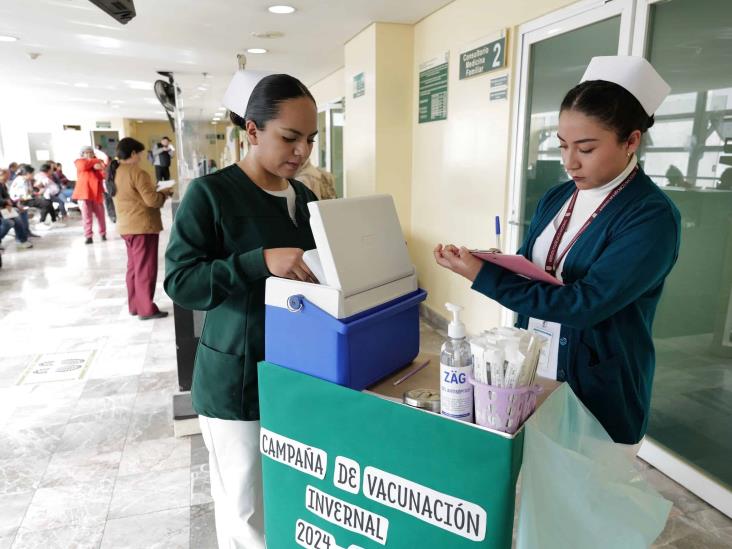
x=579, y=489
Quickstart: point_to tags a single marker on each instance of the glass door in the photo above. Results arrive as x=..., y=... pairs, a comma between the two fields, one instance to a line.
x=329, y=142
x=688, y=153
x=555, y=51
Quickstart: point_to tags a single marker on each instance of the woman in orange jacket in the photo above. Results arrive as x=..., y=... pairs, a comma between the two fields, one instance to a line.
x=89, y=191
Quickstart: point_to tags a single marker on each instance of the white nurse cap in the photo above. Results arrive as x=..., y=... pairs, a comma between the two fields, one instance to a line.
x=635, y=74
x=240, y=88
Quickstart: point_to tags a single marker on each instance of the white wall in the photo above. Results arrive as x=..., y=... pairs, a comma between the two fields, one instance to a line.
x=15, y=128
x=329, y=89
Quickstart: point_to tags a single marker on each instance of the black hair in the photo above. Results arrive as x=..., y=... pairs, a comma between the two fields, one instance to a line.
x=264, y=102
x=165, y=137
x=26, y=169
x=611, y=104
x=126, y=147
x=46, y=167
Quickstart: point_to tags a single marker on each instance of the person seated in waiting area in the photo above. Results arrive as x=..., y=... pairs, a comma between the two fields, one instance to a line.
x=11, y=217
x=23, y=192
x=60, y=177
x=47, y=186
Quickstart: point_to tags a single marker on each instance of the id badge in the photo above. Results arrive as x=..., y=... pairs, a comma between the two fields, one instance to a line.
x=549, y=331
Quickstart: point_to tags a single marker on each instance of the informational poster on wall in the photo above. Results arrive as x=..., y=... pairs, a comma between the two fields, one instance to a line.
x=349, y=470
x=359, y=85
x=499, y=88
x=433, y=79
x=489, y=56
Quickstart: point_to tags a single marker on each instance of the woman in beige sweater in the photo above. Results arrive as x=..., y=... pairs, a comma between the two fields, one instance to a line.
x=138, y=206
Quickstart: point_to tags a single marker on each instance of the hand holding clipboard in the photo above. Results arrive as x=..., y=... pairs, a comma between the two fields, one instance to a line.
x=517, y=264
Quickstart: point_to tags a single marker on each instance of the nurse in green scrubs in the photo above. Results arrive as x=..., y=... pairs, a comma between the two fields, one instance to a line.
x=610, y=235
x=233, y=229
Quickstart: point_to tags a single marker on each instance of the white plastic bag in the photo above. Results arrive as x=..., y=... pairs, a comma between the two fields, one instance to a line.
x=580, y=490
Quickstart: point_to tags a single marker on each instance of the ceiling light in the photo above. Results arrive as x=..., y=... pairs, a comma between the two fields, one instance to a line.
x=138, y=84
x=81, y=85
x=256, y=50
x=101, y=41
x=281, y=10
x=8, y=38
x=202, y=88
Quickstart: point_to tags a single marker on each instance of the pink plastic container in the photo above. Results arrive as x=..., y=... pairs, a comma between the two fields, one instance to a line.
x=503, y=409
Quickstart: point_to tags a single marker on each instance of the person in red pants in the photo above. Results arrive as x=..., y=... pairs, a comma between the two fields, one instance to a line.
x=138, y=206
x=89, y=191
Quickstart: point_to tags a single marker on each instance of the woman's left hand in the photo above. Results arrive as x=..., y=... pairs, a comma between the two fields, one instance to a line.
x=459, y=261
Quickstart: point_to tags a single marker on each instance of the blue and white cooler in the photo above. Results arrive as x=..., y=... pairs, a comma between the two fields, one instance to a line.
x=361, y=323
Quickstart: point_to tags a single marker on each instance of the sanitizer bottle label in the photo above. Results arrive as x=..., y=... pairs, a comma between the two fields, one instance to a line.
x=456, y=393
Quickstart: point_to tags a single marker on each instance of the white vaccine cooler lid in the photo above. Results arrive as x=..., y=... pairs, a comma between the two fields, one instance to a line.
x=360, y=242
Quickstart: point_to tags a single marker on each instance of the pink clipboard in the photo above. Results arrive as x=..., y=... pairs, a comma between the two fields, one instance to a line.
x=517, y=264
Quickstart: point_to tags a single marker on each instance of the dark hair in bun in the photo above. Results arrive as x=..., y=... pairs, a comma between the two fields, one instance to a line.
x=264, y=103
x=611, y=104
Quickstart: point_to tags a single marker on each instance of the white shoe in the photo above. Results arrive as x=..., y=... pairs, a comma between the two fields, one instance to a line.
x=24, y=245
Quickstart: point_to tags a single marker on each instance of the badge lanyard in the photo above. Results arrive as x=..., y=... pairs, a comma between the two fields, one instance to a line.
x=552, y=259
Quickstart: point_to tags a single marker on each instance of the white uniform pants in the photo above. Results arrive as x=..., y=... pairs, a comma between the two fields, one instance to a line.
x=236, y=481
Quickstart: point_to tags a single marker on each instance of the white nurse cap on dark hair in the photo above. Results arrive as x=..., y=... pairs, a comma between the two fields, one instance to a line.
x=635, y=74
x=240, y=88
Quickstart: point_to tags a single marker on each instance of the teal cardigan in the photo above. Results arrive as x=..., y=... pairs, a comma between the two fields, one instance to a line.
x=613, y=277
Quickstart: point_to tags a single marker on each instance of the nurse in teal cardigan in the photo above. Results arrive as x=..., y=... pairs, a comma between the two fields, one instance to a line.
x=610, y=235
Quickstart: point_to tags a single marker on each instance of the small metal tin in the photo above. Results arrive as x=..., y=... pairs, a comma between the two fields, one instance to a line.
x=424, y=399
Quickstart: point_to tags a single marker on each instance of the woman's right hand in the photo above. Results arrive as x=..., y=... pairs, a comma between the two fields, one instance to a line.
x=288, y=263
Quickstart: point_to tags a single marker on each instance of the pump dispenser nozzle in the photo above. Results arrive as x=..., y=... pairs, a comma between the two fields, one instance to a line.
x=455, y=329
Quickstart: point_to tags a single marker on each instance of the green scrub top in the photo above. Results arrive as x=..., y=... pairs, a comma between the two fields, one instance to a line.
x=215, y=263
x=613, y=278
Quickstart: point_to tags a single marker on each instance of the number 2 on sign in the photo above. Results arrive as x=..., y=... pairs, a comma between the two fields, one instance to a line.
x=312, y=537
x=497, y=58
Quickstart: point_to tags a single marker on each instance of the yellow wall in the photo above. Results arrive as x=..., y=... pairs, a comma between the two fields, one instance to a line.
x=460, y=167
x=331, y=88
x=377, y=144
x=359, y=132
x=394, y=117
x=149, y=132
x=449, y=178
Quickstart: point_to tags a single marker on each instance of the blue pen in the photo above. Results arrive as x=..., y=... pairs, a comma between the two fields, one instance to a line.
x=498, y=232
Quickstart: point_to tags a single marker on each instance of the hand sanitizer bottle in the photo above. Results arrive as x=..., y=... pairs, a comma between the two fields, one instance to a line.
x=456, y=362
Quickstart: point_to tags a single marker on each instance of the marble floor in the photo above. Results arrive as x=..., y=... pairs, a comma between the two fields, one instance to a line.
x=92, y=462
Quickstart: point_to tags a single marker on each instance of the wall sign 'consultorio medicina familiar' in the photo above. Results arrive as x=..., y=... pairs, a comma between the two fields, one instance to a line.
x=457, y=516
